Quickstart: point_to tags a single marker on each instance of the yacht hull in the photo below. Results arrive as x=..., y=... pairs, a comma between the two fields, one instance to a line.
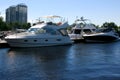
x=100, y=38
x=38, y=42
x=76, y=38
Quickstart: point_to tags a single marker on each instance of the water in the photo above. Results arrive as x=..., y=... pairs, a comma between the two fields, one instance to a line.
x=74, y=62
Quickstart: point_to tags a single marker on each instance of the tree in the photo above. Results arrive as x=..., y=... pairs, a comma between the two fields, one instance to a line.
x=2, y=24
x=26, y=25
x=1, y=19
x=110, y=25
x=12, y=26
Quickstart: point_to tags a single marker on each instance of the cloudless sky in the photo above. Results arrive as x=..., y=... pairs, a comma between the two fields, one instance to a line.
x=98, y=11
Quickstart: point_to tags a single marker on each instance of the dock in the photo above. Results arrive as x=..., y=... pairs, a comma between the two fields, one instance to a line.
x=4, y=44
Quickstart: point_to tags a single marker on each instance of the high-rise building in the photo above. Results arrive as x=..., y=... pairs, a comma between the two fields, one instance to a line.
x=11, y=14
x=17, y=14
x=21, y=13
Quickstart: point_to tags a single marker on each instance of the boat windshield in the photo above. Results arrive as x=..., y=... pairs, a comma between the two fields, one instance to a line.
x=63, y=32
x=77, y=31
x=43, y=30
x=87, y=31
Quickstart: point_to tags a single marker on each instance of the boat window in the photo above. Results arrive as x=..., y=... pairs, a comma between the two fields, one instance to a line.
x=36, y=30
x=63, y=32
x=58, y=39
x=50, y=31
x=51, y=23
x=46, y=40
x=93, y=29
x=25, y=40
x=35, y=40
x=44, y=30
x=77, y=31
x=87, y=31
x=32, y=30
x=40, y=31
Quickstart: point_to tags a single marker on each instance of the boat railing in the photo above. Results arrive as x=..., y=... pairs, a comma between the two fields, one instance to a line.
x=51, y=19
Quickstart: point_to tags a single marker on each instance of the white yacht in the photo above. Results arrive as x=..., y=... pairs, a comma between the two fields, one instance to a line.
x=87, y=32
x=81, y=27
x=108, y=35
x=41, y=34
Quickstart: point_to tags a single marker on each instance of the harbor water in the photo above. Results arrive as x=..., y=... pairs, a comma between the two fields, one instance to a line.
x=82, y=61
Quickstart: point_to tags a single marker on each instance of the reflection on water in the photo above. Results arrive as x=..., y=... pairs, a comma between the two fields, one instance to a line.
x=43, y=53
x=74, y=62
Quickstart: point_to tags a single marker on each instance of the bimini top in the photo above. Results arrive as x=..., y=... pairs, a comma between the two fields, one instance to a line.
x=51, y=16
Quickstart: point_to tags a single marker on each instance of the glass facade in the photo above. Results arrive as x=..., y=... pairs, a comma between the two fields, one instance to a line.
x=17, y=14
x=10, y=14
x=21, y=13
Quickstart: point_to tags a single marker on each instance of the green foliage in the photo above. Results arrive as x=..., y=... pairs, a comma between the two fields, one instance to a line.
x=25, y=26
x=1, y=19
x=2, y=24
x=12, y=26
x=110, y=25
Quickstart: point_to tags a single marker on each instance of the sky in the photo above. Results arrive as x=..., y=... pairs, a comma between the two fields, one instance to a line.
x=98, y=11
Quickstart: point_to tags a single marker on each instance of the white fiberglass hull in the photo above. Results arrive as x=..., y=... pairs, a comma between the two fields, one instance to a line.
x=76, y=37
x=43, y=34
x=37, y=42
x=100, y=37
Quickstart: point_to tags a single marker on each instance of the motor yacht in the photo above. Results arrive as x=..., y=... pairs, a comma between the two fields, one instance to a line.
x=108, y=35
x=87, y=32
x=82, y=26
x=42, y=34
